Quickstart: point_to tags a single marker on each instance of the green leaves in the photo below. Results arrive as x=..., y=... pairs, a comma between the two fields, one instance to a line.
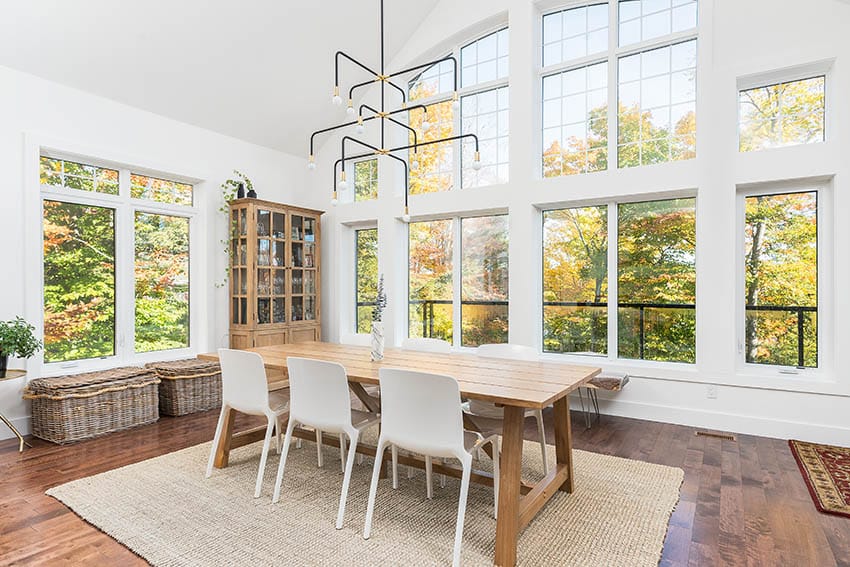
x=17, y=339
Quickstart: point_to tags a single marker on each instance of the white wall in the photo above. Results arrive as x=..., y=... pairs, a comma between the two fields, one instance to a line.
x=35, y=111
x=736, y=39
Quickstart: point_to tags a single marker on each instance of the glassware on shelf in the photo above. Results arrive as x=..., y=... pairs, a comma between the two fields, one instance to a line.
x=297, y=281
x=297, y=254
x=243, y=280
x=309, y=250
x=309, y=281
x=278, y=225
x=243, y=222
x=278, y=253
x=279, y=282
x=310, y=308
x=309, y=229
x=297, y=309
x=263, y=223
x=264, y=282
x=279, y=313
x=297, y=227
x=263, y=311
x=263, y=252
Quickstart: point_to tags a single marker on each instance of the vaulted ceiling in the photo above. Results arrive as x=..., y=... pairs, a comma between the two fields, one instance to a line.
x=258, y=70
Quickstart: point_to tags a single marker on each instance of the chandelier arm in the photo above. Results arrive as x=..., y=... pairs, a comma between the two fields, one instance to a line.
x=337, y=162
x=406, y=177
x=393, y=120
x=353, y=60
x=366, y=83
x=429, y=64
x=332, y=128
x=428, y=143
x=356, y=141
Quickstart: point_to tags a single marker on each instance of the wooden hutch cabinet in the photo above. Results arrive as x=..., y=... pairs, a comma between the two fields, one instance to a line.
x=275, y=285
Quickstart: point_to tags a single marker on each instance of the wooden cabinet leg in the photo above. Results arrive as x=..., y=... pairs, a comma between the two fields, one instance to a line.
x=564, y=441
x=222, y=453
x=510, y=478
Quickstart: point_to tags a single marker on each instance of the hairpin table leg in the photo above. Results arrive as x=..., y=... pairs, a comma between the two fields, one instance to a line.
x=17, y=433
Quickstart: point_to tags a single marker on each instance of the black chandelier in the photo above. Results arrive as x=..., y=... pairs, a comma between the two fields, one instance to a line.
x=366, y=113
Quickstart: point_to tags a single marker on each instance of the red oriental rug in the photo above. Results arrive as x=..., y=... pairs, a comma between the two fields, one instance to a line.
x=826, y=470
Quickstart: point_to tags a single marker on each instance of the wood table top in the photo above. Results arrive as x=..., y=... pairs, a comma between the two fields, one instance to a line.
x=528, y=384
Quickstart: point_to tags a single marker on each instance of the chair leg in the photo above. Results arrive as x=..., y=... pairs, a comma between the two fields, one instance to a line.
x=394, y=451
x=429, y=489
x=319, y=448
x=342, y=451
x=282, y=465
x=346, y=479
x=442, y=481
x=496, y=459
x=216, y=439
x=466, y=461
x=538, y=415
x=277, y=438
x=266, y=443
x=409, y=473
x=373, y=488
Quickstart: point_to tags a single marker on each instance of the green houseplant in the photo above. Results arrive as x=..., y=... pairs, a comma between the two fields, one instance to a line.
x=16, y=339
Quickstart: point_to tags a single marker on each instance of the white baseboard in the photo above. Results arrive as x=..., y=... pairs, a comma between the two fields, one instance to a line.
x=735, y=423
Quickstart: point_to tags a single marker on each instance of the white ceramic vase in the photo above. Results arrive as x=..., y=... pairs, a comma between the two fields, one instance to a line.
x=377, y=340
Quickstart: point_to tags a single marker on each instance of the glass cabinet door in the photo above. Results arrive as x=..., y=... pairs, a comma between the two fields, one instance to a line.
x=304, y=265
x=239, y=284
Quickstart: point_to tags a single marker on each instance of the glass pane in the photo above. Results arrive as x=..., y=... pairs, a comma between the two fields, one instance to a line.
x=575, y=32
x=479, y=59
x=279, y=314
x=297, y=254
x=309, y=255
x=263, y=223
x=432, y=166
x=430, y=281
x=263, y=311
x=243, y=280
x=657, y=280
x=297, y=281
x=162, y=282
x=309, y=281
x=641, y=20
x=779, y=115
x=243, y=310
x=160, y=190
x=657, y=105
x=243, y=221
x=366, y=285
x=73, y=175
x=79, y=281
x=575, y=280
x=278, y=249
x=297, y=227
x=484, y=282
x=310, y=308
x=279, y=284
x=264, y=286
x=235, y=311
x=309, y=229
x=278, y=225
x=297, y=308
x=781, y=286
x=485, y=115
x=366, y=180
x=436, y=79
x=263, y=256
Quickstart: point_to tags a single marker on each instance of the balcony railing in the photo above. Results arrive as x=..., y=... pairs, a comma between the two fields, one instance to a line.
x=427, y=314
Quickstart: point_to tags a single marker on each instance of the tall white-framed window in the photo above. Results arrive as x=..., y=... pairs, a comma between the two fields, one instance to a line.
x=784, y=274
x=481, y=109
x=116, y=262
x=647, y=48
x=365, y=277
x=642, y=253
x=458, y=279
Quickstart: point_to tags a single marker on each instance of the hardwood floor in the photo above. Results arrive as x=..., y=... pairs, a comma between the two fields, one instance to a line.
x=743, y=502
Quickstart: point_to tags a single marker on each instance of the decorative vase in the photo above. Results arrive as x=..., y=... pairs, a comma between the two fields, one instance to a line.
x=240, y=191
x=4, y=358
x=377, y=340
x=252, y=194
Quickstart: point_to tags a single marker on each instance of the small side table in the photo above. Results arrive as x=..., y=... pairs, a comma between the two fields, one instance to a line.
x=10, y=374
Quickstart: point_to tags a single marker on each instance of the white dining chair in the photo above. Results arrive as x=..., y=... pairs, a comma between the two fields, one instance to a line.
x=438, y=346
x=421, y=413
x=244, y=388
x=319, y=399
x=488, y=410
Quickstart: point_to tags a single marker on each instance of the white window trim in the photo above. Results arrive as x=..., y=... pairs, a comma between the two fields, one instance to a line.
x=614, y=53
x=351, y=328
x=124, y=206
x=824, y=374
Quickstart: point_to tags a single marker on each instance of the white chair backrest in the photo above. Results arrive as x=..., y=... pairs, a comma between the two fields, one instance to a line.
x=427, y=345
x=421, y=412
x=318, y=393
x=243, y=381
x=517, y=352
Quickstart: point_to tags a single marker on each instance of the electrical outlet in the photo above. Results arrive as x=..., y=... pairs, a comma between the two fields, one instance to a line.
x=711, y=391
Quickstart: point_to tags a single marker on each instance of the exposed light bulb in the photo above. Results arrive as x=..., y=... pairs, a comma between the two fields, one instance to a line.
x=342, y=185
x=334, y=200
x=414, y=164
x=406, y=216
x=337, y=100
x=311, y=162
x=476, y=163
x=426, y=125
x=455, y=101
x=359, y=128
x=350, y=109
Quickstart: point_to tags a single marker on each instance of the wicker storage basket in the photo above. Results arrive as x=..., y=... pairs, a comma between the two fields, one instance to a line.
x=187, y=386
x=71, y=408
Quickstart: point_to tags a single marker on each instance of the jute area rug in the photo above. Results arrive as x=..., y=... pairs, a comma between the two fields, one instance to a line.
x=168, y=513
x=826, y=470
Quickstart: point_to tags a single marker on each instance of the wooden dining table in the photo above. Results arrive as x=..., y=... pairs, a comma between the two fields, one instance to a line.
x=515, y=385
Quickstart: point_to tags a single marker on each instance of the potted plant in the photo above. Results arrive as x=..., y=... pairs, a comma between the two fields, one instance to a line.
x=16, y=339
x=378, y=323
x=231, y=189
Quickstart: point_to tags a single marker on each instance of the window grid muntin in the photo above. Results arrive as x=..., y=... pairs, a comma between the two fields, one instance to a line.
x=368, y=190
x=500, y=59
x=96, y=178
x=640, y=19
x=560, y=40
